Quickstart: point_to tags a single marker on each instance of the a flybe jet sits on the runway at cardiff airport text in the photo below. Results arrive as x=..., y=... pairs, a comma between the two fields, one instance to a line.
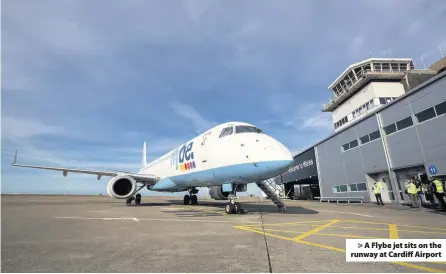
x=225, y=158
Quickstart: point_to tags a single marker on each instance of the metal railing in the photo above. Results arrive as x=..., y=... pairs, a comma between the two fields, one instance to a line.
x=277, y=189
x=361, y=75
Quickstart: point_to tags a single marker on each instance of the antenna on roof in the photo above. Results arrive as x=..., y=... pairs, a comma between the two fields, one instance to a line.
x=442, y=55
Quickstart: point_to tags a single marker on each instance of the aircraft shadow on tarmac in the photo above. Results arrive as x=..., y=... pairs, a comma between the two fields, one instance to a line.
x=218, y=208
x=151, y=204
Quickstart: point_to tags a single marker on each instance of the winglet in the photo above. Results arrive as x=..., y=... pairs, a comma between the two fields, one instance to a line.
x=15, y=158
x=144, y=155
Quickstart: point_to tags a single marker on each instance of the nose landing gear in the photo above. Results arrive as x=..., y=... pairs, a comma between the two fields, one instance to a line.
x=233, y=207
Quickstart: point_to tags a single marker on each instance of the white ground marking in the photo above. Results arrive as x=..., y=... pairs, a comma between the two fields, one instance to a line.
x=174, y=220
x=364, y=215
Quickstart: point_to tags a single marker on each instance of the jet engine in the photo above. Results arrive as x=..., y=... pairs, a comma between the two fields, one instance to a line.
x=217, y=193
x=121, y=187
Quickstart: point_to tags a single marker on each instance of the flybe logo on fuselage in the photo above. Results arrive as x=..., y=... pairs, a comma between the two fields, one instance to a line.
x=183, y=158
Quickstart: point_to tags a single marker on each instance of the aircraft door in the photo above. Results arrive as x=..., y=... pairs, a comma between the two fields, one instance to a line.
x=205, y=147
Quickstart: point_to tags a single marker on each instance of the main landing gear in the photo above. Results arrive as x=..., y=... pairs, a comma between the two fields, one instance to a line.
x=191, y=198
x=137, y=197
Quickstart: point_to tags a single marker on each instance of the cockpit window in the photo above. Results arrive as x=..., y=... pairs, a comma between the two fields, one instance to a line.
x=244, y=129
x=226, y=131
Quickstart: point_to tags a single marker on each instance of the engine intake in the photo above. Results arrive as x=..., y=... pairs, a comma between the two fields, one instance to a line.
x=121, y=187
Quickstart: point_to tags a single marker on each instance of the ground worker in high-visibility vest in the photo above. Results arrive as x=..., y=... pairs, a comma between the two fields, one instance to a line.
x=427, y=194
x=412, y=191
x=420, y=193
x=439, y=193
x=377, y=186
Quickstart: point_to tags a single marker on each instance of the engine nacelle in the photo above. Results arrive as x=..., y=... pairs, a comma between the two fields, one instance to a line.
x=217, y=193
x=121, y=187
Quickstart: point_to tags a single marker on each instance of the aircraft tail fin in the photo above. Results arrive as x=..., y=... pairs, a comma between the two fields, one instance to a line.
x=144, y=155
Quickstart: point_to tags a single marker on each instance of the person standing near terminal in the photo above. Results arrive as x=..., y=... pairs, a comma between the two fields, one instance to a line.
x=377, y=186
x=428, y=194
x=439, y=193
x=412, y=191
x=420, y=193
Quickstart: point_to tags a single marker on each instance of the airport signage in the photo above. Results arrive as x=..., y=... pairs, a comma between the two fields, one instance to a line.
x=304, y=167
x=433, y=169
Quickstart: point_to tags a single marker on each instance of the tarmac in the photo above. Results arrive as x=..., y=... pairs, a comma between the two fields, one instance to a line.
x=101, y=234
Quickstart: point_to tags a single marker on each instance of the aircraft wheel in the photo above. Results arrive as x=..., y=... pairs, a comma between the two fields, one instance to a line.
x=138, y=199
x=230, y=208
x=194, y=200
x=186, y=199
x=238, y=208
x=129, y=201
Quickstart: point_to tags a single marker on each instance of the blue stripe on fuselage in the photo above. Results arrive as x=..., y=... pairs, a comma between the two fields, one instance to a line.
x=241, y=172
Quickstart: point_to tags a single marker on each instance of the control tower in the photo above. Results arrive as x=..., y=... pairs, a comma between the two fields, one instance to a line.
x=364, y=86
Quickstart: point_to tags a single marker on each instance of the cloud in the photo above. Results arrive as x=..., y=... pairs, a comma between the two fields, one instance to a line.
x=319, y=121
x=186, y=111
x=13, y=128
x=310, y=117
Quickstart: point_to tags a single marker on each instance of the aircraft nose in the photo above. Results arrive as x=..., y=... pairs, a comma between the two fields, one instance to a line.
x=288, y=158
x=285, y=155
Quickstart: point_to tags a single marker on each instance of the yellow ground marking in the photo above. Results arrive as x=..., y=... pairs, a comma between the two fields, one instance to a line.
x=322, y=246
x=425, y=227
x=363, y=222
x=293, y=223
x=362, y=228
x=423, y=232
x=393, y=231
x=261, y=232
x=385, y=229
x=323, y=234
x=303, y=224
x=316, y=230
x=409, y=265
x=354, y=227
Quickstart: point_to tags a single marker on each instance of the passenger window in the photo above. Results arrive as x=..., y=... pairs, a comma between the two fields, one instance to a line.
x=226, y=131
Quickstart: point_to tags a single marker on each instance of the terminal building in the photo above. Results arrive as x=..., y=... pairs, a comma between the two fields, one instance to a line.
x=389, y=124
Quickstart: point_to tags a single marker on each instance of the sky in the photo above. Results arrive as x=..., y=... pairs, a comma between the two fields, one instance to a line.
x=85, y=83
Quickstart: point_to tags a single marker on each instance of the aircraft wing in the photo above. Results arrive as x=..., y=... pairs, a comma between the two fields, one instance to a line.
x=143, y=178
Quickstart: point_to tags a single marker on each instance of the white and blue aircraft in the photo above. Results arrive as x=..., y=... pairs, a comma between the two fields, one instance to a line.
x=225, y=159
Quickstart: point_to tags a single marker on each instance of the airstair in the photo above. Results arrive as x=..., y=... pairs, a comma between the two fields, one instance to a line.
x=273, y=191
